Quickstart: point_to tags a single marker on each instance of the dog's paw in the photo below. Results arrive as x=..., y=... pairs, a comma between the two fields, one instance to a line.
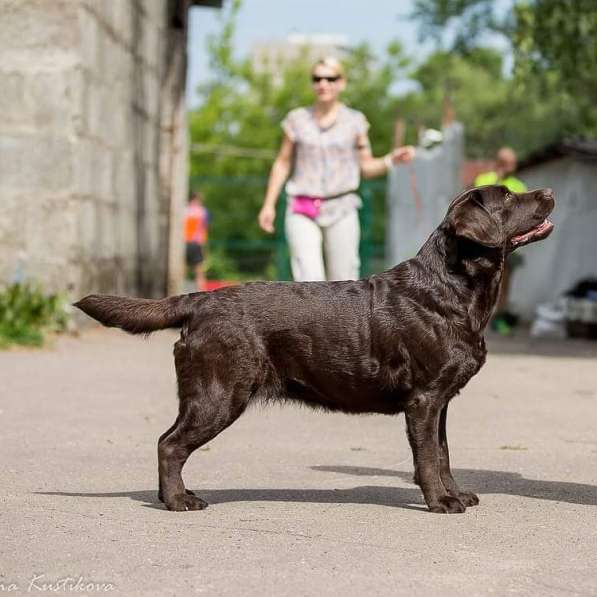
x=468, y=498
x=447, y=505
x=183, y=502
x=161, y=497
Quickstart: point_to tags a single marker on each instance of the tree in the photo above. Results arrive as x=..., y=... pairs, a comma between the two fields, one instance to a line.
x=558, y=39
x=495, y=109
x=464, y=20
x=554, y=44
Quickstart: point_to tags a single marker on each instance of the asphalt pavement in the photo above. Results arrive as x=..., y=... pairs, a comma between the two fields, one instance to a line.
x=302, y=503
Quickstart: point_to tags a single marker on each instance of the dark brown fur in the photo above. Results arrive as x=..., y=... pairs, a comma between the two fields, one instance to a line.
x=406, y=340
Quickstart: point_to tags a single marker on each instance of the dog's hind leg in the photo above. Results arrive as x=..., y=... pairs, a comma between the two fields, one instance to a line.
x=466, y=497
x=217, y=377
x=200, y=420
x=167, y=432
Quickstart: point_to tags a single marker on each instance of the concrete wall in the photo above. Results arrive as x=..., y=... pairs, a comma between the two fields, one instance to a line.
x=92, y=139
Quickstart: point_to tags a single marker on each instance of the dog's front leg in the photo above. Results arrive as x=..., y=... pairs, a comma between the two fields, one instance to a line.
x=466, y=497
x=422, y=424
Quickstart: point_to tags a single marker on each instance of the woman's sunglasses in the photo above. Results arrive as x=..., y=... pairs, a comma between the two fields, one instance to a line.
x=318, y=79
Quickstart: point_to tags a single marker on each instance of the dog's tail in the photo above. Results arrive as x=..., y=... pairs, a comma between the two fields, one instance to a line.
x=136, y=315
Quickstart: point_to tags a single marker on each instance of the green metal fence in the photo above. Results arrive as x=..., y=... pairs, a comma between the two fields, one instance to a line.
x=238, y=249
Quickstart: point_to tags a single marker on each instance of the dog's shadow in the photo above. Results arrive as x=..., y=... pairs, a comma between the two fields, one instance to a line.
x=479, y=481
x=492, y=482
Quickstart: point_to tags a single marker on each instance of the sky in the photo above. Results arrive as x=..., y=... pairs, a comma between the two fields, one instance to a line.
x=375, y=21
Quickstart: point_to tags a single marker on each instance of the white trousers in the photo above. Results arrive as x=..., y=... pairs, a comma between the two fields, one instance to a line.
x=323, y=252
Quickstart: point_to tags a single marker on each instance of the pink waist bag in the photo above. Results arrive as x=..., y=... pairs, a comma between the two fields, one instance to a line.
x=307, y=206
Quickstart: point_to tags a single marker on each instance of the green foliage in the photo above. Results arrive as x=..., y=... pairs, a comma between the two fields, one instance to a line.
x=219, y=266
x=465, y=20
x=477, y=91
x=232, y=261
x=27, y=314
x=554, y=45
x=525, y=113
x=557, y=39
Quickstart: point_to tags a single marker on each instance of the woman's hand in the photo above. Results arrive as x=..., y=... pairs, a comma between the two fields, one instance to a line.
x=403, y=154
x=277, y=177
x=266, y=218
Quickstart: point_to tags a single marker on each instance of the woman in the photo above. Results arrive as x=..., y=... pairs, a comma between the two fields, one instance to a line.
x=324, y=150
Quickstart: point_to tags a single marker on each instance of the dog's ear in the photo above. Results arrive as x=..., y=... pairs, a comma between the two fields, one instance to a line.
x=470, y=219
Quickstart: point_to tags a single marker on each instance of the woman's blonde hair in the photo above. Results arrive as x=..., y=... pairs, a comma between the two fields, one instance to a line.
x=330, y=62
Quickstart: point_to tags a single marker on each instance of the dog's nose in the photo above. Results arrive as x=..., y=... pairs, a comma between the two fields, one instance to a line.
x=549, y=201
x=549, y=197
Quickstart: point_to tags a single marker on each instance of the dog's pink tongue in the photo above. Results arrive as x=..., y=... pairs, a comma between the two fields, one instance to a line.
x=539, y=228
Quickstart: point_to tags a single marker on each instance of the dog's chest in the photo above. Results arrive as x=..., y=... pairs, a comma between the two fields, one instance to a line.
x=445, y=367
x=464, y=363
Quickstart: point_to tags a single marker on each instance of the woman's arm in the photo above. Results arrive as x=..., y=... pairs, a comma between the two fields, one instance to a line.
x=372, y=166
x=277, y=177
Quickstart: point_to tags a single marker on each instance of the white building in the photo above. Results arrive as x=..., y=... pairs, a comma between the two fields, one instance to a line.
x=270, y=56
x=553, y=266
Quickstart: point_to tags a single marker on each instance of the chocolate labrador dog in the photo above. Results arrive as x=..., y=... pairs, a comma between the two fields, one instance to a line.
x=406, y=340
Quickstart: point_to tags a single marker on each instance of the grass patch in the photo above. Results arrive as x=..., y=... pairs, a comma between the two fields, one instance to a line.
x=27, y=315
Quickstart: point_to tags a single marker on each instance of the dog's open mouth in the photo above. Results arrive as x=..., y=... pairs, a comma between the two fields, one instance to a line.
x=536, y=233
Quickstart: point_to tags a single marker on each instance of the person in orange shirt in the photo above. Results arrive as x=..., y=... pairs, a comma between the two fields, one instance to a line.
x=195, y=235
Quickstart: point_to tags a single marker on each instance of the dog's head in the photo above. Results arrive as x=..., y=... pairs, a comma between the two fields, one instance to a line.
x=494, y=217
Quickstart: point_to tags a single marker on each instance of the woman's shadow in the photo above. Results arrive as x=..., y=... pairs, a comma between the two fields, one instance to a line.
x=479, y=481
